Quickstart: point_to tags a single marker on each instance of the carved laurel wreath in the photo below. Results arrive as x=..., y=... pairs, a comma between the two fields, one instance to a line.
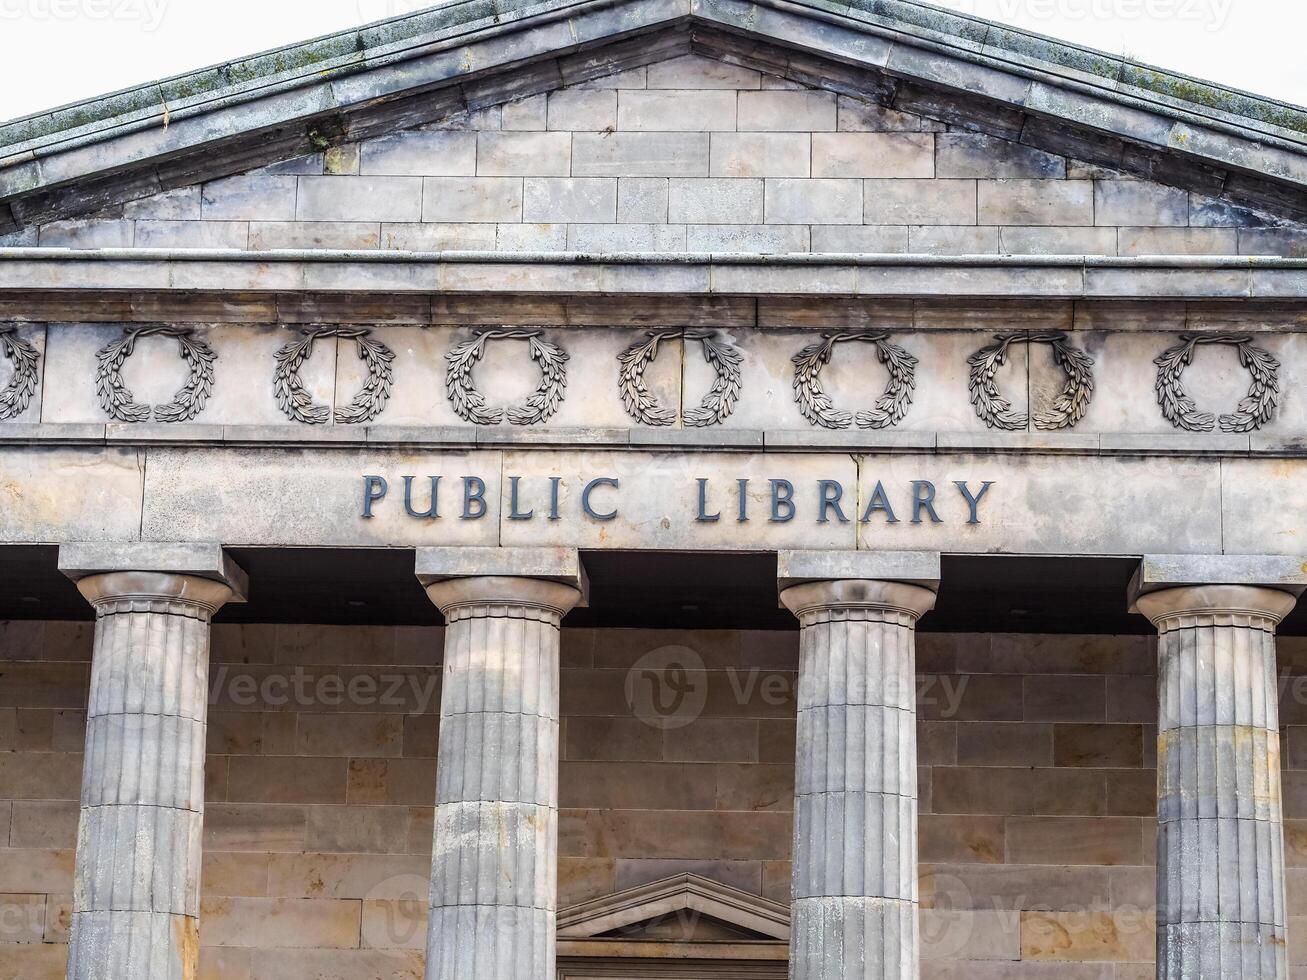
x=716, y=406
x=890, y=407
x=1254, y=410
x=539, y=406
x=1068, y=408
x=16, y=395
x=296, y=402
x=117, y=399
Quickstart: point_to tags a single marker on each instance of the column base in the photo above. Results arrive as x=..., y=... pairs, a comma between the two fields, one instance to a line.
x=115, y=945
x=1219, y=950
x=839, y=938
x=472, y=941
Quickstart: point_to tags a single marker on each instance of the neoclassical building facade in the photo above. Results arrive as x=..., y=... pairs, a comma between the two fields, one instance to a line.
x=655, y=488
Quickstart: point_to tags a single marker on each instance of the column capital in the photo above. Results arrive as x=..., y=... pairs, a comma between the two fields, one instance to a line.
x=1180, y=589
x=202, y=576
x=545, y=578
x=899, y=601
x=1215, y=605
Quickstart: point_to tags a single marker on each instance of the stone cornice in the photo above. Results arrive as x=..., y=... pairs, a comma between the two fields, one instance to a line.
x=347, y=438
x=1060, y=277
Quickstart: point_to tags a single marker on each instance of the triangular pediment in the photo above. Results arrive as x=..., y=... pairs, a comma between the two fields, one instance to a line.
x=683, y=908
x=460, y=57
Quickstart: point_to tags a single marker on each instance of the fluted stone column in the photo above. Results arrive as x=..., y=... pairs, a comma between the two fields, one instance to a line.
x=1220, y=842
x=136, y=891
x=494, y=865
x=855, y=809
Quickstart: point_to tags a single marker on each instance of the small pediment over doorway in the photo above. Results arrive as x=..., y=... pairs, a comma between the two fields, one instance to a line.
x=684, y=927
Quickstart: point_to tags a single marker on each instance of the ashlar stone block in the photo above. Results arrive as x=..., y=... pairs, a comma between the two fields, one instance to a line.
x=633, y=155
x=642, y=199
x=761, y=154
x=827, y=201
x=873, y=155
x=716, y=201
x=518, y=154
x=786, y=112
x=676, y=110
x=250, y=198
x=582, y=110
x=919, y=202
x=525, y=115
x=469, y=199
x=1036, y=202
x=422, y=154
x=1139, y=202
x=569, y=199
x=357, y=199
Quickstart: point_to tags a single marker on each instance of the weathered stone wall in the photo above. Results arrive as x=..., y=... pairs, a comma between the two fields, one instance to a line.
x=686, y=155
x=1037, y=792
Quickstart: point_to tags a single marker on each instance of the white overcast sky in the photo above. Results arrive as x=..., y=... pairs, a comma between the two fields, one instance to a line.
x=57, y=51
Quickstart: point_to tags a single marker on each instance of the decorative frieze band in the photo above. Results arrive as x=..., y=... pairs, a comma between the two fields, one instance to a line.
x=884, y=408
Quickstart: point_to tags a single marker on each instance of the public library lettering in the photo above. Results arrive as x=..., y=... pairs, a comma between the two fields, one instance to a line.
x=774, y=500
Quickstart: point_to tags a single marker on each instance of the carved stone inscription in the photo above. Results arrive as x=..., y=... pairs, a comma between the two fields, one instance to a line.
x=823, y=501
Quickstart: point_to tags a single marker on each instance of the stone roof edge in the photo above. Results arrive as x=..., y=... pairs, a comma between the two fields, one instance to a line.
x=885, y=259
x=265, y=73
x=331, y=56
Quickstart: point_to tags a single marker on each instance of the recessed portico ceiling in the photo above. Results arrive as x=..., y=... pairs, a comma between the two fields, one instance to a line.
x=412, y=69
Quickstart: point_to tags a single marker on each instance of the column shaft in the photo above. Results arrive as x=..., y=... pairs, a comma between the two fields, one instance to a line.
x=136, y=891
x=494, y=865
x=855, y=819
x=1220, y=842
